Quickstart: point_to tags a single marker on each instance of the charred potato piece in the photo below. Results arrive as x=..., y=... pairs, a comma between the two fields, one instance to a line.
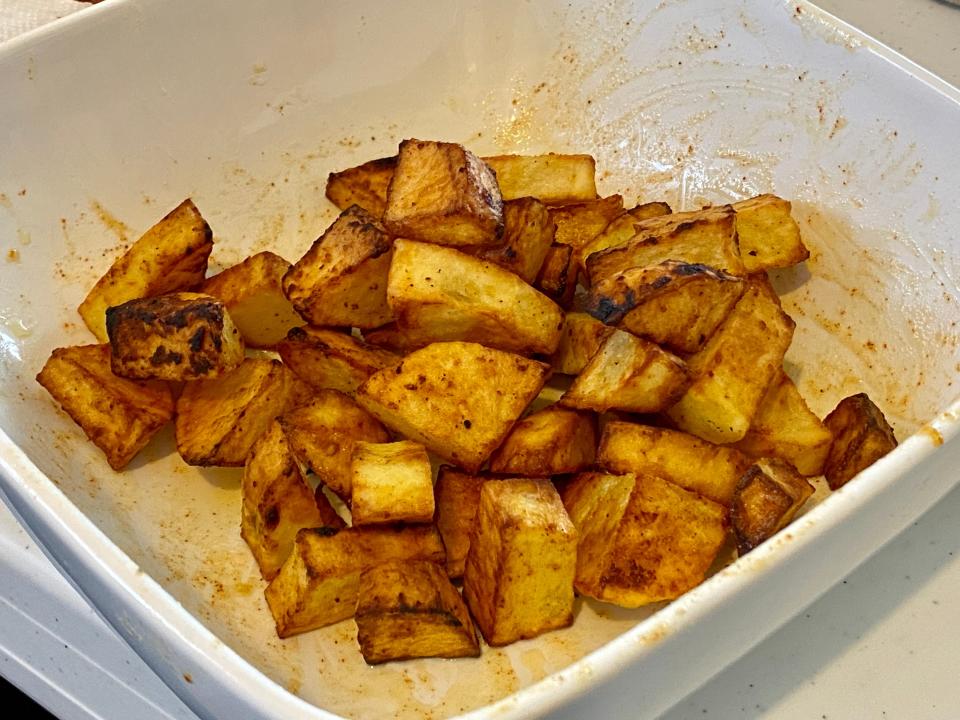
x=457, y=497
x=628, y=373
x=642, y=539
x=252, y=293
x=323, y=433
x=558, y=275
x=861, y=436
x=318, y=584
x=579, y=223
x=327, y=358
x=623, y=227
x=409, y=609
x=693, y=464
x=581, y=338
x=442, y=193
x=218, y=420
x=118, y=415
x=527, y=236
x=170, y=256
x=342, y=278
x=391, y=482
x=554, y=441
x=674, y=304
x=518, y=580
x=181, y=336
x=441, y=294
x=769, y=236
x=458, y=399
x=767, y=499
x=365, y=185
x=734, y=369
x=553, y=179
x=786, y=428
x=277, y=502
x=706, y=237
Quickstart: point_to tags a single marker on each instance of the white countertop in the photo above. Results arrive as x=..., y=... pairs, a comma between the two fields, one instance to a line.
x=882, y=644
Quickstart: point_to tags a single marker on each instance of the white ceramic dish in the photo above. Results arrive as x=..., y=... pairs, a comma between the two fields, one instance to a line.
x=113, y=116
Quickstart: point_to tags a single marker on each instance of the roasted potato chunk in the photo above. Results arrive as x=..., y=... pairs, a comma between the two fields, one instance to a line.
x=623, y=227
x=693, y=464
x=365, y=185
x=527, y=236
x=579, y=223
x=457, y=497
x=318, y=584
x=390, y=337
x=734, y=369
x=330, y=359
x=769, y=237
x=706, y=237
x=218, y=420
x=409, y=609
x=252, y=293
x=674, y=304
x=277, y=502
x=323, y=433
x=582, y=336
x=391, y=482
x=628, y=373
x=442, y=193
x=518, y=579
x=440, y=294
x=861, y=436
x=342, y=278
x=558, y=275
x=458, y=399
x=642, y=539
x=786, y=428
x=554, y=441
x=118, y=415
x=170, y=256
x=553, y=179
x=767, y=499
x=181, y=336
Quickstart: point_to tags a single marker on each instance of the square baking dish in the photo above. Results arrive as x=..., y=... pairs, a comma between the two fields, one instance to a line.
x=113, y=116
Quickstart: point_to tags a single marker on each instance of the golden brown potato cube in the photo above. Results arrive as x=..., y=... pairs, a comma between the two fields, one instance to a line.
x=342, y=278
x=365, y=185
x=441, y=294
x=554, y=441
x=706, y=237
x=674, y=304
x=409, y=609
x=581, y=338
x=327, y=358
x=442, y=193
x=323, y=433
x=518, y=579
x=391, y=482
x=642, y=539
x=786, y=428
x=458, y=399
x=734, y=369
x=218, y=420
x=251, y=290
x=170, y=256
x=181, y=336
x=579, y=223
x=318, y=584
x=118, y=415
x=767, y=499
x=276, y=501
x=552, y=179
x=861, y=436
x=457, y=497
x=558, y=275
x=769, y=236
x=693, y=464
x=628, y=373
x=527, y=235
x=623, y=227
